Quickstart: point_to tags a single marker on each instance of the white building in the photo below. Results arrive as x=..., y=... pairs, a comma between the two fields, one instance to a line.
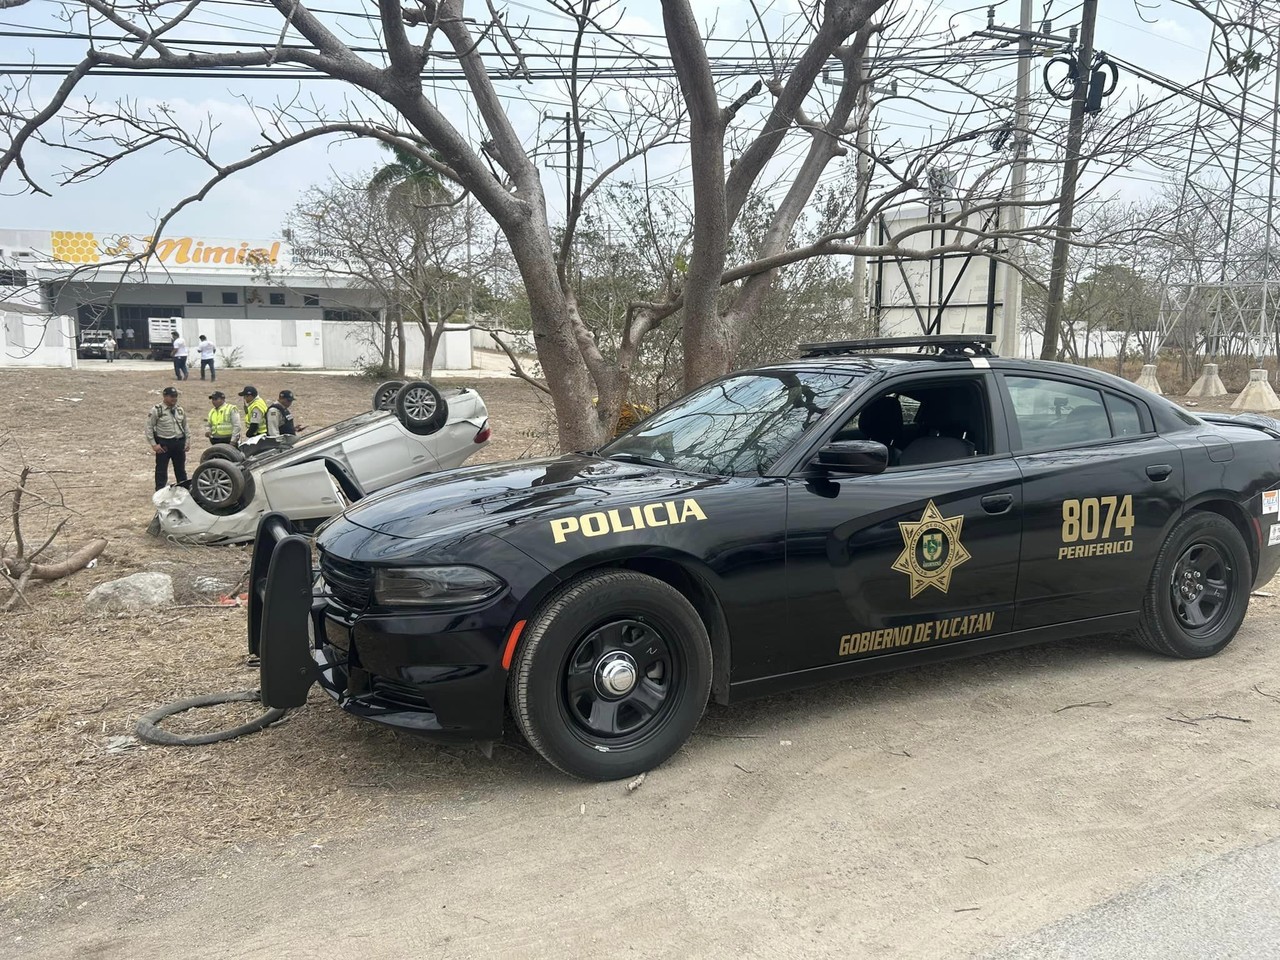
x=244, y=295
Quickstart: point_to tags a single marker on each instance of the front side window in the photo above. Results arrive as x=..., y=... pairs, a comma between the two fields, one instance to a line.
x=926, y=423
x=738, y=426
x=1051, y=413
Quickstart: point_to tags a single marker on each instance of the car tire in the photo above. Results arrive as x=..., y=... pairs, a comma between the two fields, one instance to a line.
x=219, y=486
x=421, y=408
x=384, y=397
x=568, y=688
x=1199, y=589
x=223, y=451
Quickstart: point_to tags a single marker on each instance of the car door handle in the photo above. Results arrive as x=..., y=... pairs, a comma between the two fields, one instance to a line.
x=997, y=502
x=1159, y=471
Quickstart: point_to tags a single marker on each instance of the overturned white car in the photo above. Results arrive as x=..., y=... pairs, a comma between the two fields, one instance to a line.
x=412, y=430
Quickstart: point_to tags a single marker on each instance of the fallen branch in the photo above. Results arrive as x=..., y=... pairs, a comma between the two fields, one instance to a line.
x=1194, y=721
x=77, y=561
x=1091, y=703
x=20, y=566
x=1270, y=696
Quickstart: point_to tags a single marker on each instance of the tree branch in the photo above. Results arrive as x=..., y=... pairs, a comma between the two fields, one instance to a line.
x=516, y=367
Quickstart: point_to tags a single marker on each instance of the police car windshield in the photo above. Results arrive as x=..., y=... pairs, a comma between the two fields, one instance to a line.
x=737, y=426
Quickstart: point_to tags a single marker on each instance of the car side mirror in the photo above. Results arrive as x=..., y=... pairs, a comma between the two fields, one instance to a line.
x=853, y=457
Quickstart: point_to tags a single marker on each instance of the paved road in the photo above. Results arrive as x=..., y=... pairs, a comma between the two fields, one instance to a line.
x=1228, y=909
x=1020, y=803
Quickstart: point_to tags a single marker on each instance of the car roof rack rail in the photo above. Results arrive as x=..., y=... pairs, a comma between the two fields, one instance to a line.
x=948, y=346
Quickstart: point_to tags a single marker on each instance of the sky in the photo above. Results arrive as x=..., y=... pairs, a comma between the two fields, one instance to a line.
x=1162, y=35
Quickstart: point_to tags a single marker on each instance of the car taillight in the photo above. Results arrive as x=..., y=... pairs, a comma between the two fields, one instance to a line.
x=484, y=433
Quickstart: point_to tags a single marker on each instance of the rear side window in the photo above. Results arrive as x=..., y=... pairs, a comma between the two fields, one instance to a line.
x=1125, y=421
x=1051, y=413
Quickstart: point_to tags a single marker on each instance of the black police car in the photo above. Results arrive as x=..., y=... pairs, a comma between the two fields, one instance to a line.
x=853, y=511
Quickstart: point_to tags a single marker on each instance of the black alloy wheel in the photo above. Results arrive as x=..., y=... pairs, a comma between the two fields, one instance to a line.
x=1198, y=593
x=611, y=675
x=1200, y=588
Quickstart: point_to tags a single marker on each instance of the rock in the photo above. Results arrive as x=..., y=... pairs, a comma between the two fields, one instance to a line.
x=139, y=591
x=212, y=585
x=1257, y=394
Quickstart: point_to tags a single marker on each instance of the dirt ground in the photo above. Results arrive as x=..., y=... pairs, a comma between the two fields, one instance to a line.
x=931, y=812
x=76, y=679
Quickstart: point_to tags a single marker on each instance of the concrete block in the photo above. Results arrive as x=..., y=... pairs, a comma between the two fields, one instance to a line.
x=1147, y=379
x=1209, y=384
x=1257, y=396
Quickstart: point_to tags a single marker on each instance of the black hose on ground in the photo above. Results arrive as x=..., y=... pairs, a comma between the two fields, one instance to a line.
x=148, y=728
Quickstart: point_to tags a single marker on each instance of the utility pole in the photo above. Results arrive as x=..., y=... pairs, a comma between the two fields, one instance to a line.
x=862, y=189
x=569, y=142
x=1067, y=195
x=1008, y=343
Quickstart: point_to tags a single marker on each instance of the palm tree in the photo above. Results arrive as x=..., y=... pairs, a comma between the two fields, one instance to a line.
x=407, y=181
x=408, y=169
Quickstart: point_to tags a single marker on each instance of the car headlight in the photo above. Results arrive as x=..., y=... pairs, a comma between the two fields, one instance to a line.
x=434, y=586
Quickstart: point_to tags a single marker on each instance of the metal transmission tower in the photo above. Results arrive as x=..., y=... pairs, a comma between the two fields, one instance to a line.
x=1222, y=282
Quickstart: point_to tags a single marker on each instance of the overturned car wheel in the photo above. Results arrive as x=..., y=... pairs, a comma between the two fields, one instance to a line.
x=223, y=451
x=218, y=486
x=421, y=408
x=384, y=397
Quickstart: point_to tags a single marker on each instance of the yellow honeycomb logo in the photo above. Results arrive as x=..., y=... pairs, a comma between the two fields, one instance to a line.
x=74, y=246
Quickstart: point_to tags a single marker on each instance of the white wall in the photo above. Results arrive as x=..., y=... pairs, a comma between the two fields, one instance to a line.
x=33, y=340
x=520, y=343
x=1102, y=343
x=347, y=343
x=262, y=343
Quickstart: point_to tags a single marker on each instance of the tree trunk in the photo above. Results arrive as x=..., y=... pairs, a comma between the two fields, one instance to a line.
x=708, y=343
x=400, y=359
x=386, y=340
x=562, y=362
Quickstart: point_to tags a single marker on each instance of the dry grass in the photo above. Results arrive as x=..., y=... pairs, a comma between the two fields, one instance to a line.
x=1175, y=381
x=75, y=679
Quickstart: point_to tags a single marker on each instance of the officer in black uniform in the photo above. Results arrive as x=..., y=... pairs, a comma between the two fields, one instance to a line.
x=167, y=433
x=280, y=422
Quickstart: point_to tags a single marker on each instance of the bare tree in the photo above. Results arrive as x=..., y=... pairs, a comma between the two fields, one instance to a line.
x=780, y=131
x=421, y=253
x=35, y=504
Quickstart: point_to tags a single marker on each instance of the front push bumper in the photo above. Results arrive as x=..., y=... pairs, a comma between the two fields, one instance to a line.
x=435, y=674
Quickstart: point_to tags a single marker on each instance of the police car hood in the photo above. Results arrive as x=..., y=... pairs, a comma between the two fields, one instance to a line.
x=492, y=497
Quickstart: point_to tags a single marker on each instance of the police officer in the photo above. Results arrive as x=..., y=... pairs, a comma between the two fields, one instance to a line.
x=224, y=420
x=167, y=433
x=255, y=412
x=280, y=422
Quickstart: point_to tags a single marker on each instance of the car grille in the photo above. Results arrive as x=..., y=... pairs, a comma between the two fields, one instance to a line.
x=351, y=584
x=399, y=694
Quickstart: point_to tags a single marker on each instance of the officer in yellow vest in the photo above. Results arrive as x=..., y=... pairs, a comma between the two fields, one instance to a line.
x=224, y=420
x=255, y=412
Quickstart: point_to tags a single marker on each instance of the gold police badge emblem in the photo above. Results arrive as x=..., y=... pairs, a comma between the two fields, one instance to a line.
x=931, y=550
